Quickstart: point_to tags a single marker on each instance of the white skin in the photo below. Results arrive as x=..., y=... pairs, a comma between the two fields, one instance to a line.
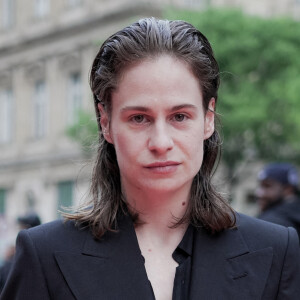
x=157, y=126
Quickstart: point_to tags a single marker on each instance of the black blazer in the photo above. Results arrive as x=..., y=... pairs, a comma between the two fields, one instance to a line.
x=258, y=260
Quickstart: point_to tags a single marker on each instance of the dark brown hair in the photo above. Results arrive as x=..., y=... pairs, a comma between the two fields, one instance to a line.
x=149, y=38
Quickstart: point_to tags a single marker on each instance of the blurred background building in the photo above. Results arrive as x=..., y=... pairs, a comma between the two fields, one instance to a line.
x=46, y=50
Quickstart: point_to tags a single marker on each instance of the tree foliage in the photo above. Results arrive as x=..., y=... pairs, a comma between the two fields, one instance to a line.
x=259, y=97
x=84, y=131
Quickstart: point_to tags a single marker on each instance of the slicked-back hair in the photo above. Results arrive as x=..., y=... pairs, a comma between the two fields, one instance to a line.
x=147, y=39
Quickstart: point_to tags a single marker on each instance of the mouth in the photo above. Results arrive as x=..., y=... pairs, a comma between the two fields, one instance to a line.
x=165, y=167
x=163, y=164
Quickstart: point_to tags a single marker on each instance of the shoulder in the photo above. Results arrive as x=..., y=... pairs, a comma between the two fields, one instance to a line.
x=259, y=233
x=35, y=269
x=56, y=226
x=250, y=225
x=282, y=244
x=244, y=221
x=58, y=235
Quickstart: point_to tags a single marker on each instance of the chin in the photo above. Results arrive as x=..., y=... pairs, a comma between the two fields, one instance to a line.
x=165, y=186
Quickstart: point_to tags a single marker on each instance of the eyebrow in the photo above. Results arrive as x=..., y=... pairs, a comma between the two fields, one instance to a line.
x=179, y=107
x=146, y=109
x=139, y=108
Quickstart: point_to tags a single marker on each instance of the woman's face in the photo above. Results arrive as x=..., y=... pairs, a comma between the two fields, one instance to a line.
x=157, y=125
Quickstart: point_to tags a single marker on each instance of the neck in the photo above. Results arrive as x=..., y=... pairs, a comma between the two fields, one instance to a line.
x=156, y=210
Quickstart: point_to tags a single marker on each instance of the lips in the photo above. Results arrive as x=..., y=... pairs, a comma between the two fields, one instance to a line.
x=165, y=167
x=162, y=164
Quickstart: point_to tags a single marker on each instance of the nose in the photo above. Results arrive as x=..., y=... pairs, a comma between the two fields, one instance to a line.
x=261, y=198
x=261, y=192
x=160, y=139
x=258, y=192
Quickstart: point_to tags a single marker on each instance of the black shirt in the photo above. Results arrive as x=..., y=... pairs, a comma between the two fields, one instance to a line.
x=183, y=256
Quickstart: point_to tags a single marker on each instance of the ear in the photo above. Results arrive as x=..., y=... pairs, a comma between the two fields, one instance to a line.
x=209, y=119
x=104, y=122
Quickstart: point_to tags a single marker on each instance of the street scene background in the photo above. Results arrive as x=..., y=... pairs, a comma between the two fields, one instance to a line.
x=48, y=130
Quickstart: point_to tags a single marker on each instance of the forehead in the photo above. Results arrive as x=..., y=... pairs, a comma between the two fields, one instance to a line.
x=160, y=78
x=269, y=182
x=154, y=62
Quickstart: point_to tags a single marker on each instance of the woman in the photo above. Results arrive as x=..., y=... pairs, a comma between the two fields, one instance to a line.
x=156, y=228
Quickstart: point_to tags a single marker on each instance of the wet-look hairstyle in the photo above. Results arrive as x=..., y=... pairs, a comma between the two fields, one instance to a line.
x=147, y=39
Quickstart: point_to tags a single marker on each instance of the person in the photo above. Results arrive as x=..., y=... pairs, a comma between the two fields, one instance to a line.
x=278, y=195
x=24, y=222
x=29, y=220
x=155, y=227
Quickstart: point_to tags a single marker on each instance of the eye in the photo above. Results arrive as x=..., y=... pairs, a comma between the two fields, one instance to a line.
x=179, y=117
x=138, y=119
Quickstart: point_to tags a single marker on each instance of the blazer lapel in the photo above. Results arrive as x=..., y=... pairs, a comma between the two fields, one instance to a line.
x=111, y=268
x=224, y=268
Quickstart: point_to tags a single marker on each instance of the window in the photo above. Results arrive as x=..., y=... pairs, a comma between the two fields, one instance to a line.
x=40, y=107
x=2, y=201
x=6, y=116
x=65, y=195
x=7, y=13
x=41, y=8
x=74, y=97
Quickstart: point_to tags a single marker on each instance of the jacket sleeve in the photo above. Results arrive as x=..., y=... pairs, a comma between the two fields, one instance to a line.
x=26, y=279
x=289, y=287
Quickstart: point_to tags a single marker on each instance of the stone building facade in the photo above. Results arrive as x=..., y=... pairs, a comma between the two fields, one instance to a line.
x=46, y=51
x=45, y=57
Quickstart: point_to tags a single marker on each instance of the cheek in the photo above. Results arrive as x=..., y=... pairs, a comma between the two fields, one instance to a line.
x=194, y=143
x=126, y=149
x=198, y=156
x=194, y=149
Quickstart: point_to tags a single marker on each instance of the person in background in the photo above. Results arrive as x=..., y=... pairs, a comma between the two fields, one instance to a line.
x=278, y=195
x=24, y=222
x=155, y=227
x=28, y=221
